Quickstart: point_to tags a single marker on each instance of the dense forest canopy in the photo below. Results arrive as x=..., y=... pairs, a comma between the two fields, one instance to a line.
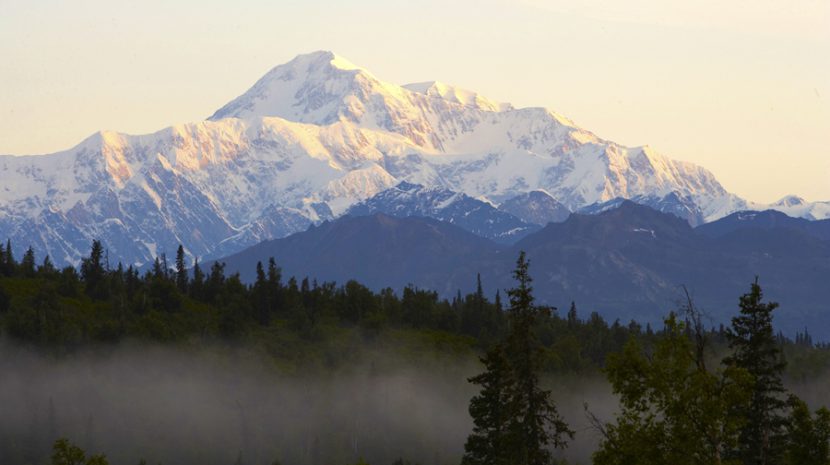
x=304, y=325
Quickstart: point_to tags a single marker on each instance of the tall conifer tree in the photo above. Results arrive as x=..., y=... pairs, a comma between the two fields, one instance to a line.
x=488, y=443
x=181, y=270
x=755, y=349
x=512, y=409
x=535, y=422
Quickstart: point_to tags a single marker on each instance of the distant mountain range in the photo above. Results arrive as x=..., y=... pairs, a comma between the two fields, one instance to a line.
x=318, y=137
x=627, y=262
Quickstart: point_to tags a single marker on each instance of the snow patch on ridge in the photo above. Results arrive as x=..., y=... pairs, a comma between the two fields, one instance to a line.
x=457, y=95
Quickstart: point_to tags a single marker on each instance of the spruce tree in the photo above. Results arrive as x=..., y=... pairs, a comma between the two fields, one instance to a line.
x=46, y=268
x=535, y=422
x=516, y=421
x=488, y=443
x=9, y=265
x=181, y=270
x=756, y=350
x=259, y=294
x=479, y=296
x=573, y=319
x=92, y=272
x=274, y=287
x=198, y=282
x=27, y=264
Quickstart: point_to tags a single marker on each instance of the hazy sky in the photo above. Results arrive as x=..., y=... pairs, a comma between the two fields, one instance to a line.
x=741, y=87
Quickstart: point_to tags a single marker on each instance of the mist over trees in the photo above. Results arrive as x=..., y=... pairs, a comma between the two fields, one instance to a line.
x=682, y=393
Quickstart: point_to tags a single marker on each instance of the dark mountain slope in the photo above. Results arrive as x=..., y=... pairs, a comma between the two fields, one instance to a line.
x=378, y=251
x=767, y=219
x=628, y=263
x=536, y=207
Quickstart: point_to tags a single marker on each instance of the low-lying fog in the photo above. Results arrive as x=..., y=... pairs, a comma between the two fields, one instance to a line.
x=209, y=406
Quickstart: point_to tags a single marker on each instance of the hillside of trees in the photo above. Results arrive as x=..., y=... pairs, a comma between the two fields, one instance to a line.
x=687, y=393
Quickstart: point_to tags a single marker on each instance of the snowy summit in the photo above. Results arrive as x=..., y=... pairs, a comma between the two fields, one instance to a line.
x=312, y=138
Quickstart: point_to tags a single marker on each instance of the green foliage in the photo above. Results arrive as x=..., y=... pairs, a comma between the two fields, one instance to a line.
x=66, y=453
x=756, y=350
x=535, y=423
x=488, y=443
x=672, y=408
x=808, y=436
x=181, y=270
x=93, y=272
x=675, y=410
x=515, y=419
x=64, y=309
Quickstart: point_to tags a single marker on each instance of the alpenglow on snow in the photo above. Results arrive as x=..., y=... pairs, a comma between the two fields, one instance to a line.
x=312, y=138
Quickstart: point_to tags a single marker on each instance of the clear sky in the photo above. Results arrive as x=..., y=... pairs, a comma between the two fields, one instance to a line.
x=741, y=87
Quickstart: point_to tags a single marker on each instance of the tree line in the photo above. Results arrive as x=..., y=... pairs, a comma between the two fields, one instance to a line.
x=100, y=303
x=687, y=393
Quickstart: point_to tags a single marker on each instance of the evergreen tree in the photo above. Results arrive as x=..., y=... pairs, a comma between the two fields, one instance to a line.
x=572, y=315
x=479, y=295
x=158, y=271
x=274, y=287
x=93, y=273
x=197, y=285
x=535, y=423
x=808, y=436
x=181, y=270
x=47, y=268
x=515, y=420
x=215, y=281
x=165, y=268
x=259, y=295
x=7, y=259
x=756, y=349
x=27, y=264
x=489, y=441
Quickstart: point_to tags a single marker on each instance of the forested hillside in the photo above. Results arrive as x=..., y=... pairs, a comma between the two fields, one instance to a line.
x=305, y=327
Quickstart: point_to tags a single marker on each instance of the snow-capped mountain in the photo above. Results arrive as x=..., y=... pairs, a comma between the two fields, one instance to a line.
x=310, y=139
x=473, y=215
x=796, y=206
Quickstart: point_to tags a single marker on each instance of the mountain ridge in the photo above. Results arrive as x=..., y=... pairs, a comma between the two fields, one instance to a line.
x=629, y=262
x=310, y=139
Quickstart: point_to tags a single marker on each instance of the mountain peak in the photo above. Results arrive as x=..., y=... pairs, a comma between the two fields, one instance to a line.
x=790, y=201
x=457, y=95
x=321, y=58
x=311, y=88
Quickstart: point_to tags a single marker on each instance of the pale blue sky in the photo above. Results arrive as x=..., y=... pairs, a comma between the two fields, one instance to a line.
x=740, y=87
